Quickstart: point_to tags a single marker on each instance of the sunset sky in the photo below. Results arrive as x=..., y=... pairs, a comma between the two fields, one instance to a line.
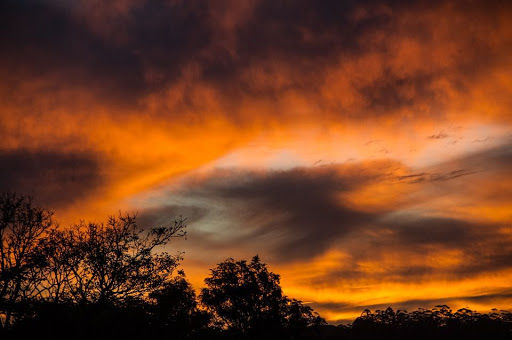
x=362, y=148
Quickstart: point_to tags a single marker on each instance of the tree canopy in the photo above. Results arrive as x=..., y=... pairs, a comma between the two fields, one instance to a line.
x=247, y=298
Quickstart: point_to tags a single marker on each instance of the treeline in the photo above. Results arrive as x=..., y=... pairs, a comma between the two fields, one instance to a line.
x=439, y=322
x=116, y=280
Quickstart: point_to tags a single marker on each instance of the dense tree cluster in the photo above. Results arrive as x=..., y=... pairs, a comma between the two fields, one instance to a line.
x=115, y=280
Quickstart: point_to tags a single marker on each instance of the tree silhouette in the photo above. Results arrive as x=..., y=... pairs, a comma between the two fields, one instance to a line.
x=51, y=276
x=175, y=310
x=113, y=262
x=22, y=226
x=45, y=269
x=247, y=299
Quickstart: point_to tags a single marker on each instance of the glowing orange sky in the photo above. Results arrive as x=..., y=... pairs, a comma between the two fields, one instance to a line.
x=363, y=150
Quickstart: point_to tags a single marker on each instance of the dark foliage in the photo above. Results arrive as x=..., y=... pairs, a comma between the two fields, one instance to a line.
x=174, y=310
x=247, y=301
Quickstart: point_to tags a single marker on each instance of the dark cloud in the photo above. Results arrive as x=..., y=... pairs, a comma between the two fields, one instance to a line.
x=307, y=39
x=43, y=39
x=482, y=247
x=54, y=179
x=418, y=232
x=498, y=158
x=479, y=249
x=300, y=209
x=300, y=213
x=435, y=176
x=124, y=51
x=451, y=175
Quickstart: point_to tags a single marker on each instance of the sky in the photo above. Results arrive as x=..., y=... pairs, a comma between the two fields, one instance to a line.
x=362, y=148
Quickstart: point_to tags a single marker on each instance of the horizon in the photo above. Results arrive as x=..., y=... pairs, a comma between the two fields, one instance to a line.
x=362, y=149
